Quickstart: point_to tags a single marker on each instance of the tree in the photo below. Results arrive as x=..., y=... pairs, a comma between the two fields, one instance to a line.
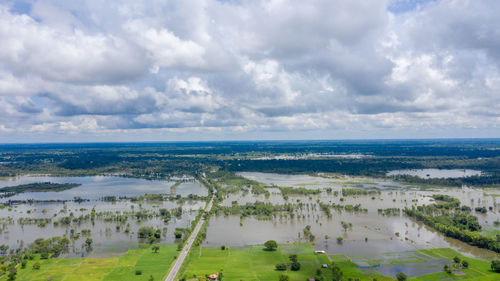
x=295, y=266
x=401, y=276
x=495, y=266
x=337, y=272
x=447, y=268
x=44, y=255
x=270, y=245
x=178, y=234
x=465, y=264
x=456, y=259
x=293, y=257
x=280, y=266
x=155, y=248
x=12, y=273
x=88, y=242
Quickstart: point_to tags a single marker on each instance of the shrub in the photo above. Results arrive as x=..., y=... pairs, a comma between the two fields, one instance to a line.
x=495, y=266
x=401, y=276
x=284, y=277
x=295, y=266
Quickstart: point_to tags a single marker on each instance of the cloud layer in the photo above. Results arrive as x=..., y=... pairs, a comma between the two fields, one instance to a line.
x=197, y=69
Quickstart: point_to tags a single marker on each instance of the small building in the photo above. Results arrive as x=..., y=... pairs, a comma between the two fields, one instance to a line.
x=213, y=277
x=320, y=252
x=324, y=265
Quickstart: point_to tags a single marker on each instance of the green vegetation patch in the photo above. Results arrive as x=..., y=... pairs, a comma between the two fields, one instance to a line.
x=254, y=263
x=97, y=269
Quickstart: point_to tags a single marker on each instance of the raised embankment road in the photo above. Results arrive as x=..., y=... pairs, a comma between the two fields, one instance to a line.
x=185, y=251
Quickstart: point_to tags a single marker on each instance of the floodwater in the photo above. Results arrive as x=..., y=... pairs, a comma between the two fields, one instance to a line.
x=96, y=187
x=436, y=173
x=104, y=233
x=384, y=233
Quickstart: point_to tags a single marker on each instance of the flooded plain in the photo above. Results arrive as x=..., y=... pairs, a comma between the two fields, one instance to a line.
x=116, y=222
x=371, y=232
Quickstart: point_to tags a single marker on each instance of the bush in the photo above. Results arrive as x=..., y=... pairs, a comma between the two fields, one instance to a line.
x=271, y=245
x=36, y=265
x=456, y=259
x=284, y=277
x=145, y=232
x=401, y=276
x=280, y=266
x=223, y=247
x=495, y=266
x=295, y=266
x=465, y=264
x=138, y=272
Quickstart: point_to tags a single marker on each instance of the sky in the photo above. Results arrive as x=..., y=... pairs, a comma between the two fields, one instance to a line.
x=192, y=70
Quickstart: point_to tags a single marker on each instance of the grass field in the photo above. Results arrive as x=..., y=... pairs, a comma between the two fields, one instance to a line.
x=254, y=263
x=115, y=267
x=248, y=263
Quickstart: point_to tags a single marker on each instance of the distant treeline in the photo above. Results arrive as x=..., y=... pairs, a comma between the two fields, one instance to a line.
x=163, y=160
x=487, y=180
x=38, y=187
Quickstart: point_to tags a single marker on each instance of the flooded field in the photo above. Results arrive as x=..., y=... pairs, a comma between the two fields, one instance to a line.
x=371, y=232
x=116, y=223
x=96, y=187
x=436, y=173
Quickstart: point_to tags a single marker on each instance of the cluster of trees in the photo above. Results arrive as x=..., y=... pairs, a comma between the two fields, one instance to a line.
x=260, y=209
x=287, y=190
x=447, y=202
x=308, y=234
x=349, y=208
x=50, y=247
x=389, y=211
x=460, y=226
x=294, y=264
x=149, y=233
x=353, y=192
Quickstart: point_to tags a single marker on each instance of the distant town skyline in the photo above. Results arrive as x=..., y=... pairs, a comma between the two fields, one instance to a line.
x=201, y=70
